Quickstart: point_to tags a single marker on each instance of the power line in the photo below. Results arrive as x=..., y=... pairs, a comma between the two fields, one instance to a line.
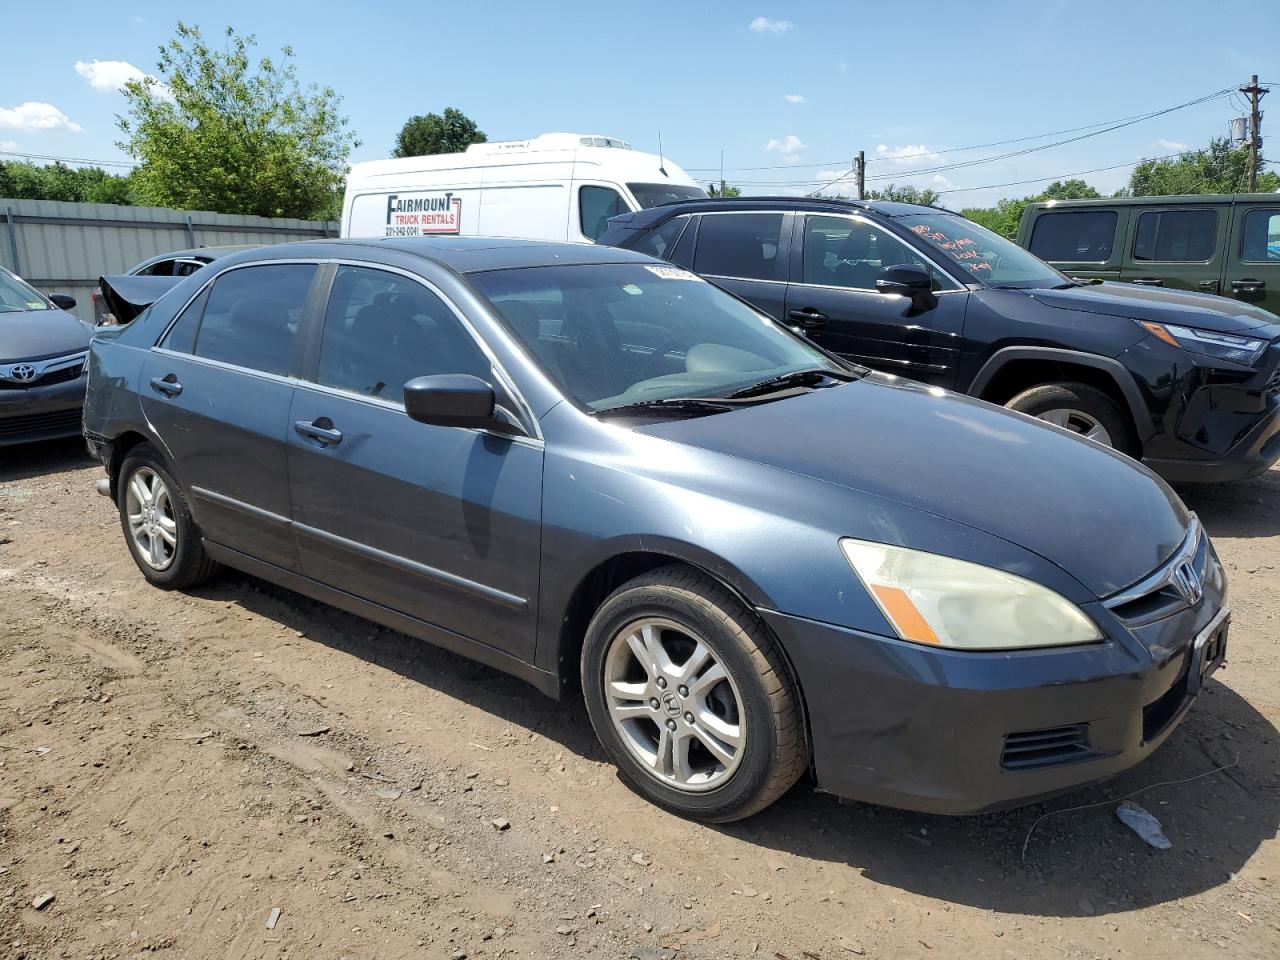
x=1060, y=176
x=96, y=163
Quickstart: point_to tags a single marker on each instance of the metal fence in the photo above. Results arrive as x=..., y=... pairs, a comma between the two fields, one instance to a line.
x=64, y=247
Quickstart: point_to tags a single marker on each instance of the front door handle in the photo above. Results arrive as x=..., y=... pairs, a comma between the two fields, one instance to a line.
x=1148, y=281
x=320, y=430
x=1247, y=286
x=808, y=317
x=1208, y=286
x=168, y=385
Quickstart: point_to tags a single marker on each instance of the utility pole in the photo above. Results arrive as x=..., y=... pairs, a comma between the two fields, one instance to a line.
x=721, y=174
x=1254, y=93
x=860, y=169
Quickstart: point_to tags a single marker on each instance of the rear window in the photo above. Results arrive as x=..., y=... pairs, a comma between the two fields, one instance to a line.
x=742, y=245
x=1078, y=236
x=1176, y=236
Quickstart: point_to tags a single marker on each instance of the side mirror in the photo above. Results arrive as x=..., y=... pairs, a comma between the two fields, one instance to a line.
x=451, y=400
x=62, y=301
x=910, y=281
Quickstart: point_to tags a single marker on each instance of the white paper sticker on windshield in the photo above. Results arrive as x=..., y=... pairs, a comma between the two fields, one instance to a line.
x=673, y=273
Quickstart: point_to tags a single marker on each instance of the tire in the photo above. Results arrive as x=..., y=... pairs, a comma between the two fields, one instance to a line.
x=1083, y=410
x=683, y=611
x=171, y=565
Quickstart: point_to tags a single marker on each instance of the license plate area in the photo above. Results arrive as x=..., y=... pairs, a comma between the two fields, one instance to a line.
x=1208, y=652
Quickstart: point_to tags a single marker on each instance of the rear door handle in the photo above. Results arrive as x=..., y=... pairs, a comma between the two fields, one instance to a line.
x=1208, y=286
x=320, y=430
x=1148, y=281
x=168, y=385
x=808, y=317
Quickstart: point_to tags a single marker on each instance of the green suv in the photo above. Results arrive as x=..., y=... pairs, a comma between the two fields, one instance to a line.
x=1223, y=244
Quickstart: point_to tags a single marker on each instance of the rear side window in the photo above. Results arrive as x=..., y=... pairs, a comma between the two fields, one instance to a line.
x=595, y=206
x=252, y=315
x=1176, y=236
x=382, y=330
x=1261, y=236
x=1079, y=236
x=743, y=245
x=182, y=335
x=660, y=242
x=161, y=268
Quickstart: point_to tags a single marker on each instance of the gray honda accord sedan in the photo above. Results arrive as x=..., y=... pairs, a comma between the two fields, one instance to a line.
x=604, y=475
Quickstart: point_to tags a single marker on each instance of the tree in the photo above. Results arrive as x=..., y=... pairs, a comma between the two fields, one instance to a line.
x=219, y=132
x=713, y=190
x=57, y=181
x=1218, y=168
x=451, y=133
x=924, y=197
x=1005, y=216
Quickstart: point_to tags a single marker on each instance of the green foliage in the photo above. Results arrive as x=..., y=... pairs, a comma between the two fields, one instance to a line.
x=713, y=190
x=1219, y=168
x=1005, y=216
x=219, y=132
x=925, y=197
x=57, y=181
x=451, y=133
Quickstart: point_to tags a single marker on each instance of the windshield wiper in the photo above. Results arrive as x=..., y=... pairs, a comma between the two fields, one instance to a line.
x=797, y=378
x=691, y=405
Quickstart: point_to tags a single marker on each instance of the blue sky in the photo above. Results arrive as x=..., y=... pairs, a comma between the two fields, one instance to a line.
x=796, y=86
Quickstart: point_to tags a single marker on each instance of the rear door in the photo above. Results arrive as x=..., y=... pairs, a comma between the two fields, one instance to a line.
x=1253, y=261
x=442, y=524
x=834, y=298
x=217, y=390
x=1084, y=242
x=1178, y=246
x=746, y=253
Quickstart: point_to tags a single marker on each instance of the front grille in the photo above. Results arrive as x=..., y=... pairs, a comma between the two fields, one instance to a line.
x=1035, y=749
x=65, y=375
x=38, y=423
x=1158, y=595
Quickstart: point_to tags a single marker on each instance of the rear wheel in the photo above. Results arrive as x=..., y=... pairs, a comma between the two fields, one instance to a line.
x=690, y=696
x=1083, y=410
x=157, y=523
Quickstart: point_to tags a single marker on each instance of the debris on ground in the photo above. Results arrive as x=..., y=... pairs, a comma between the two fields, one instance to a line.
x=273, y=918
x=1142, y=822
x=42, y=901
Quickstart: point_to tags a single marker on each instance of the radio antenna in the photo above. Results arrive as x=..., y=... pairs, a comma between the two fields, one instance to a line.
x=661, y=169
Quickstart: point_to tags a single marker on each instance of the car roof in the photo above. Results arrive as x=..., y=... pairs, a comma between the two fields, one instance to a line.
x=885, y=208
x=1161, y=201
x=459, y=254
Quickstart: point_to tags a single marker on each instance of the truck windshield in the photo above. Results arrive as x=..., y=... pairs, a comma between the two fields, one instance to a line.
x=985, y=256
x=655, y=194
x=16, y=296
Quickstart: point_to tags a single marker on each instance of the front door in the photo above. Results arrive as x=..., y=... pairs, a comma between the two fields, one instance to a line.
x=442, y=524
x=1253, y=261
x=217, y=391
x=837, y=303
x=1182, y=248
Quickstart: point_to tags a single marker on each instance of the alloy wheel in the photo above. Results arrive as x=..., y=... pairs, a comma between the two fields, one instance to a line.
x=152, y=522
x=674, y=705
x=1078, y=422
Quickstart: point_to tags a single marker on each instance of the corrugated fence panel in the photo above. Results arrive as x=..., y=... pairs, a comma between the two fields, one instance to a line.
x=64, y=247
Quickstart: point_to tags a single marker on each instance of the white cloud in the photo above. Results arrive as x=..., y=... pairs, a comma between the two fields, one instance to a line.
x=791, y=147
x=34, y=115
x=910, y=155
x=8, y=146
x=847, y=186
x=765, y=25
x=1170, y=146
x=794, y=98
x=111, y=75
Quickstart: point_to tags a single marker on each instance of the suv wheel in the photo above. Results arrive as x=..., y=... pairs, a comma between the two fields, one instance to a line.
x=157, y=524
x=690, y=696
x=1082, y=409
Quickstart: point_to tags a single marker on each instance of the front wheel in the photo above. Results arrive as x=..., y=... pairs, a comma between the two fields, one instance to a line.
x=689, y=694
x=1081, y=409
x=157, y=524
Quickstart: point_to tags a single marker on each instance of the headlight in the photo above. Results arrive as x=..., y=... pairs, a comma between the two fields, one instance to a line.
x=1219, y=346
x=952, y=603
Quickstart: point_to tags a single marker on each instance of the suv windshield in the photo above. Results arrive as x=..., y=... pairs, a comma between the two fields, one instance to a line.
x=654, y=194
x=985, y=256
x=618, y=334
x=16, y=295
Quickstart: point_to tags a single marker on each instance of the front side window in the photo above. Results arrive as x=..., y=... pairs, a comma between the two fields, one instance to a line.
x=622, y=333
x=252, y=315
x=842, y=252
x=985, y=257
x=1261, y=236
x=1077, y=236
x=1176, y=236
x=595, y=206
x=16, y=295
x=382, y=330
x=739, y=245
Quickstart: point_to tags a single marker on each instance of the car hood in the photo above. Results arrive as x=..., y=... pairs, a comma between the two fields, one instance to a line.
x=28, y=334
x=1162, y=305
x=1098, y=515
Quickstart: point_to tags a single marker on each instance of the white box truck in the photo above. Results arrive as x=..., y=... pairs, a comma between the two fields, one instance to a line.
x=559, y=186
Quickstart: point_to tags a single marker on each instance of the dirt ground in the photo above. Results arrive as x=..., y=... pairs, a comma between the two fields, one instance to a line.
x=164, y=776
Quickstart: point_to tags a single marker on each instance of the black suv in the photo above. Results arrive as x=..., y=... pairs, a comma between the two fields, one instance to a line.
x=1187, y=382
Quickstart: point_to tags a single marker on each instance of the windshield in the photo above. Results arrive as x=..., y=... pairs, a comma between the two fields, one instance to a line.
x=655, y=194
x=16, y=295
x=617, y=334
x=985, y=256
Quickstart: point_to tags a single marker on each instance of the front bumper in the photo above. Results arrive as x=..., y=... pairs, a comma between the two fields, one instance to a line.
x=954, y=732
x=41, y=412
x=1251, y=455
